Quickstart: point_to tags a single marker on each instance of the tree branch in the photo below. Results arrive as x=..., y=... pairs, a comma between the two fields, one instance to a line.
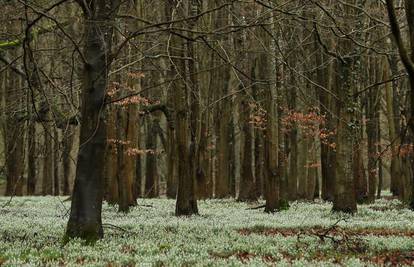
x=395, y=29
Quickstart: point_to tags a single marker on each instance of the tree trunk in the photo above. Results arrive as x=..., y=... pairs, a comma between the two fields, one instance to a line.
x=47, y=182
x=14, y=137
x=312, y=171
x=344, y=200
x=32, y=159
x=324, y=78
x=372, y=135
x=272, y=130
x=111, y=159
x=272, y=194
x=219, y=82
x=258, y=162
x=397, y=179
x=151, y=173
x=68, y=160
x=172, y=175
x=56, y=162
x=186, y=199
x=85, y=217
x=303, y=166
x=247, y=188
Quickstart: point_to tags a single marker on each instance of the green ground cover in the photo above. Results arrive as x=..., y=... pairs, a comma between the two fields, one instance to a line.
x=226, y=233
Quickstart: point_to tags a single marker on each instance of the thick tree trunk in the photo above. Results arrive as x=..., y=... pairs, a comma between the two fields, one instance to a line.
x=344, y=200
x=186, y=199
x=85, y=217
x=14, y=141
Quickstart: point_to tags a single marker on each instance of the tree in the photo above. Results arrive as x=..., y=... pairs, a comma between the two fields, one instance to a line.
x=85, y=216
x=344, y=197
x=407, y=58
x=186, y=199
x=272, y=131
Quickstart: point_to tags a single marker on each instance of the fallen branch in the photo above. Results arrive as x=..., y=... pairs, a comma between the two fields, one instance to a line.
x=256, y=208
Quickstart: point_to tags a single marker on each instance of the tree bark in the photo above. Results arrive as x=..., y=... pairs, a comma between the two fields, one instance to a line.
x=151, y=173
x=32, y=159
x=186, y=199
x=344, y=199
x=85, y=220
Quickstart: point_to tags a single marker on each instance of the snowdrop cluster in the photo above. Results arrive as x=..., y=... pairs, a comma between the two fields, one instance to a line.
x=31, y=231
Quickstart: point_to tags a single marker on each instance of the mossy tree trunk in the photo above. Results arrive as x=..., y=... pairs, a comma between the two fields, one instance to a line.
x=344, y=198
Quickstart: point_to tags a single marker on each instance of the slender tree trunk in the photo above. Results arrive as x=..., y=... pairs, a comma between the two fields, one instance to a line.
x=204, y=182
x=258, y=162
x=219, y=81
x=151, y=173
x=407, y=57
x=380, y=167
x=67, y=160
x=293, y=145
x=172, y=175
x=222, y=184
x=47, y=182
x=272, y=194
x=312, y=171
x=247, y=188
x=111, y=160
x=323, y=76
x=372, y=135
x=303, y=166
x=56, y=162
x=32, y=159
x=397, y=179
x=126, y=159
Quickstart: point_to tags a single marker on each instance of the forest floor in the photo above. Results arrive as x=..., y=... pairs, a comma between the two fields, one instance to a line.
x=226, y=233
